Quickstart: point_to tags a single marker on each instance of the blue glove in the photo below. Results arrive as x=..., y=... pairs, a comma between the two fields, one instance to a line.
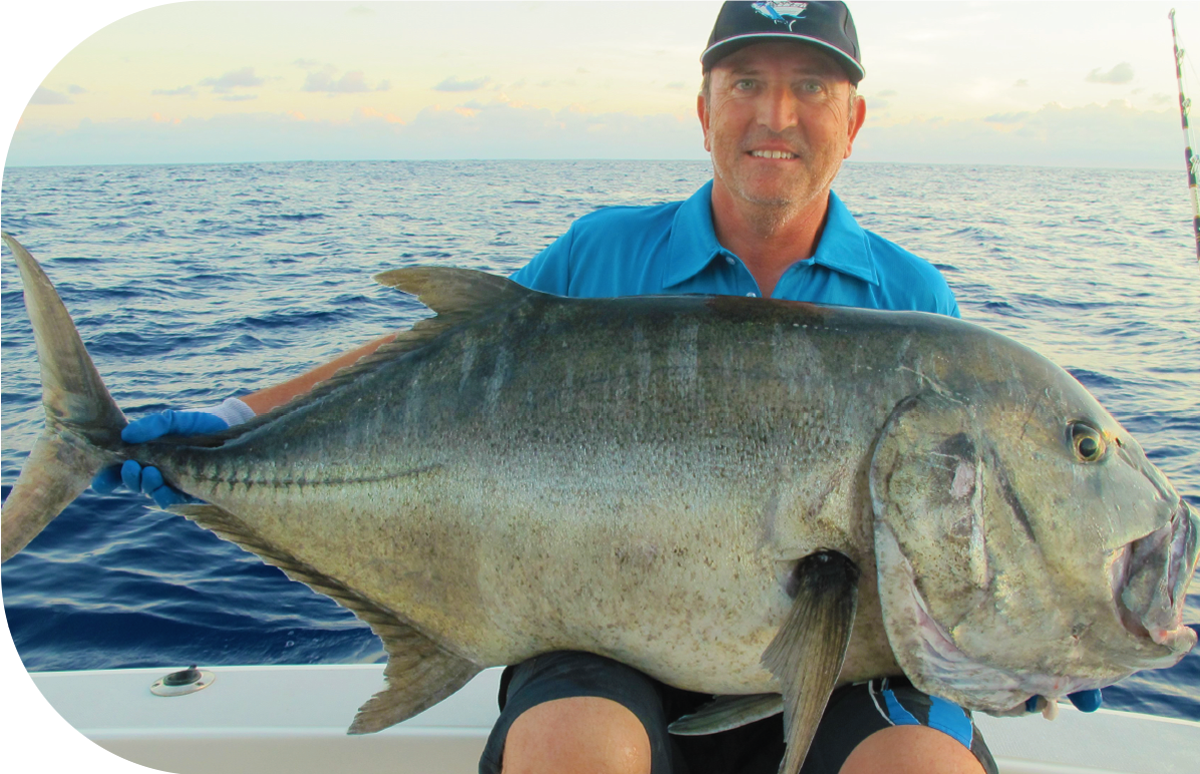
x=1084, y=701
x=149, y=480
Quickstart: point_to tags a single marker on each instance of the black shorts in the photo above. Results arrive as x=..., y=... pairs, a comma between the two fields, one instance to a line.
x=854, y=712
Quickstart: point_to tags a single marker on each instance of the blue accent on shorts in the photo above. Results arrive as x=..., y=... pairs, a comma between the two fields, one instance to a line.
x=925, y=710
x=898, y=714
x=950, y=719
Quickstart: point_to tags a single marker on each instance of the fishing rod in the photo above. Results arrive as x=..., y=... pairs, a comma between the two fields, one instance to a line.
x=1189, y=158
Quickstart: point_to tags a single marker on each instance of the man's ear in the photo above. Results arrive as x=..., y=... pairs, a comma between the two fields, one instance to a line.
x=858, y=115
x=702, y=114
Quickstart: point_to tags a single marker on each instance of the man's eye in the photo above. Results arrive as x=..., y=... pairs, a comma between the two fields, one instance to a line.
x=812, y=87
x=744, y=85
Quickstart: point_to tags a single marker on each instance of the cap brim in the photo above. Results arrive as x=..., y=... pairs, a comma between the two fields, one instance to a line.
x=714, y=54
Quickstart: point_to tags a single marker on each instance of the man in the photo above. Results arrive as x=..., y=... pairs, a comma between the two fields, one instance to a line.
x=780, y=112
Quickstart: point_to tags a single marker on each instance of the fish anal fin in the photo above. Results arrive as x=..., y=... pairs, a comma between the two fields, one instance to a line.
x=419, y=672
x=724, y=713
x=806, y=655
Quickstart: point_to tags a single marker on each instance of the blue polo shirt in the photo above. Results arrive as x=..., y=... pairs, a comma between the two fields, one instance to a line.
x=673, y=248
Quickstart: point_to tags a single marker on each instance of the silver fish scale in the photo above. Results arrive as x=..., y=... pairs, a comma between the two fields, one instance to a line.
x=671, y=446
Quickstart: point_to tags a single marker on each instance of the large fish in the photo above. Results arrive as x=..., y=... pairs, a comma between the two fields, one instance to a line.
x=745, y=497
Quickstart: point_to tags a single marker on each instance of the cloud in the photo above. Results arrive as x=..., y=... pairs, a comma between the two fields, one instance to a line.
x=44, y=96
x=1112, y=135
x=454, y=84
x=182, y=91
x=307, y=63
x=676, y=85
x=73, y=89
x=238, y=97
x=360, y=10
x=496, y=130
x=351, y=83
x=887, y=93
x=368, y=114
x=1109, y=136
x=1007, y=118
x=243, y=78
x=1122, y=73
x=1021, y=84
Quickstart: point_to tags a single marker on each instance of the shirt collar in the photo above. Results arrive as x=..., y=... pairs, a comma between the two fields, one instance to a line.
x=843, y=246
x=693, y=240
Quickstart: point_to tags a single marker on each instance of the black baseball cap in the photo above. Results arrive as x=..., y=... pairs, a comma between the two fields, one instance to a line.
x=828, y=26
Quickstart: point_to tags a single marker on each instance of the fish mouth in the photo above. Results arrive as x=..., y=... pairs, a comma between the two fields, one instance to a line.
x=1149, y=578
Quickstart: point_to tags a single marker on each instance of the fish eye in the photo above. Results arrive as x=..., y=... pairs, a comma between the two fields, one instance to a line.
x=1087, y=442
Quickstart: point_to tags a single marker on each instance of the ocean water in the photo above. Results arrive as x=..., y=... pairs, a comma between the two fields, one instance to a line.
x=193, y=283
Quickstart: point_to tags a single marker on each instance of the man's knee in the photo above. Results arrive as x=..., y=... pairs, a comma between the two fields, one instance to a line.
x=580, y=733
x=911, y=750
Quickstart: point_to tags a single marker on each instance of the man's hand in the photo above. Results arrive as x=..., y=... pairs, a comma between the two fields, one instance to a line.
x=1084, y=701
x=148, y=480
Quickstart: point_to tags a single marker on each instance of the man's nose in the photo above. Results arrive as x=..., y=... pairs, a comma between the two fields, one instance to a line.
x=778, y=108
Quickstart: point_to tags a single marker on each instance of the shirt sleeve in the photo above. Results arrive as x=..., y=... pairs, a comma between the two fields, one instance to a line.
x=550, y=270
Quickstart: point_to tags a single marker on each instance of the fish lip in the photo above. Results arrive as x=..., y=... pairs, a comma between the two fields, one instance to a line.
x=1169, y=556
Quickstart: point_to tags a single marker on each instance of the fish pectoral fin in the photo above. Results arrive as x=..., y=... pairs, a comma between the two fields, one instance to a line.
x=724, y=713
x=806, y=655
x=419, y=672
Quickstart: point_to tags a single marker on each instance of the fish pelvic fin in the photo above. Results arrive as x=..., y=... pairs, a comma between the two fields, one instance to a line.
x=83, y=422
x=806, y=655
x=725, y=713
x=419, y=672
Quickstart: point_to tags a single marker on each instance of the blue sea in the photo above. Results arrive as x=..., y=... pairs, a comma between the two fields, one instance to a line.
x=192, y=283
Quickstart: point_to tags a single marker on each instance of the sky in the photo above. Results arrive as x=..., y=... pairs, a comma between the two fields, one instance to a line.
x=1047, y=83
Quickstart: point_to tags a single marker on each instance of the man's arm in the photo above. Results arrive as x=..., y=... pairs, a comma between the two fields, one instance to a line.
x=547, y=272
x=271, y=397
x=150, y=482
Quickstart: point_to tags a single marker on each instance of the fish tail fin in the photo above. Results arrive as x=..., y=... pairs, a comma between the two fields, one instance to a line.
x=83, y=422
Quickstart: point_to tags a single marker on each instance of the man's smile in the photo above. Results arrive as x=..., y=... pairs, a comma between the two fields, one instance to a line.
x=773, y=154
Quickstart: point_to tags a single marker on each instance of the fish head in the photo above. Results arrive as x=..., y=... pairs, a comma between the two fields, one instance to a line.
x=1025, y=545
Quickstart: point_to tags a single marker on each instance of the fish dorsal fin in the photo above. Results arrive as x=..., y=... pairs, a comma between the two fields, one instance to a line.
x=455, y=292
x=457, y=295
x=419, y=672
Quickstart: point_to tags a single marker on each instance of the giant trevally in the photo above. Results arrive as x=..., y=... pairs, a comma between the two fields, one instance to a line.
x=745, y=497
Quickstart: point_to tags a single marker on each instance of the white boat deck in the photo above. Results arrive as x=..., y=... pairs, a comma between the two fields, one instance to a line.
x=293, y=719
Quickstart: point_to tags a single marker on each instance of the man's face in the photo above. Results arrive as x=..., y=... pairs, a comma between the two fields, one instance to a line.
x=778, y=122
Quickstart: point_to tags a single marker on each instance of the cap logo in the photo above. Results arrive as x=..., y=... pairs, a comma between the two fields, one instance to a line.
x=777, y=10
